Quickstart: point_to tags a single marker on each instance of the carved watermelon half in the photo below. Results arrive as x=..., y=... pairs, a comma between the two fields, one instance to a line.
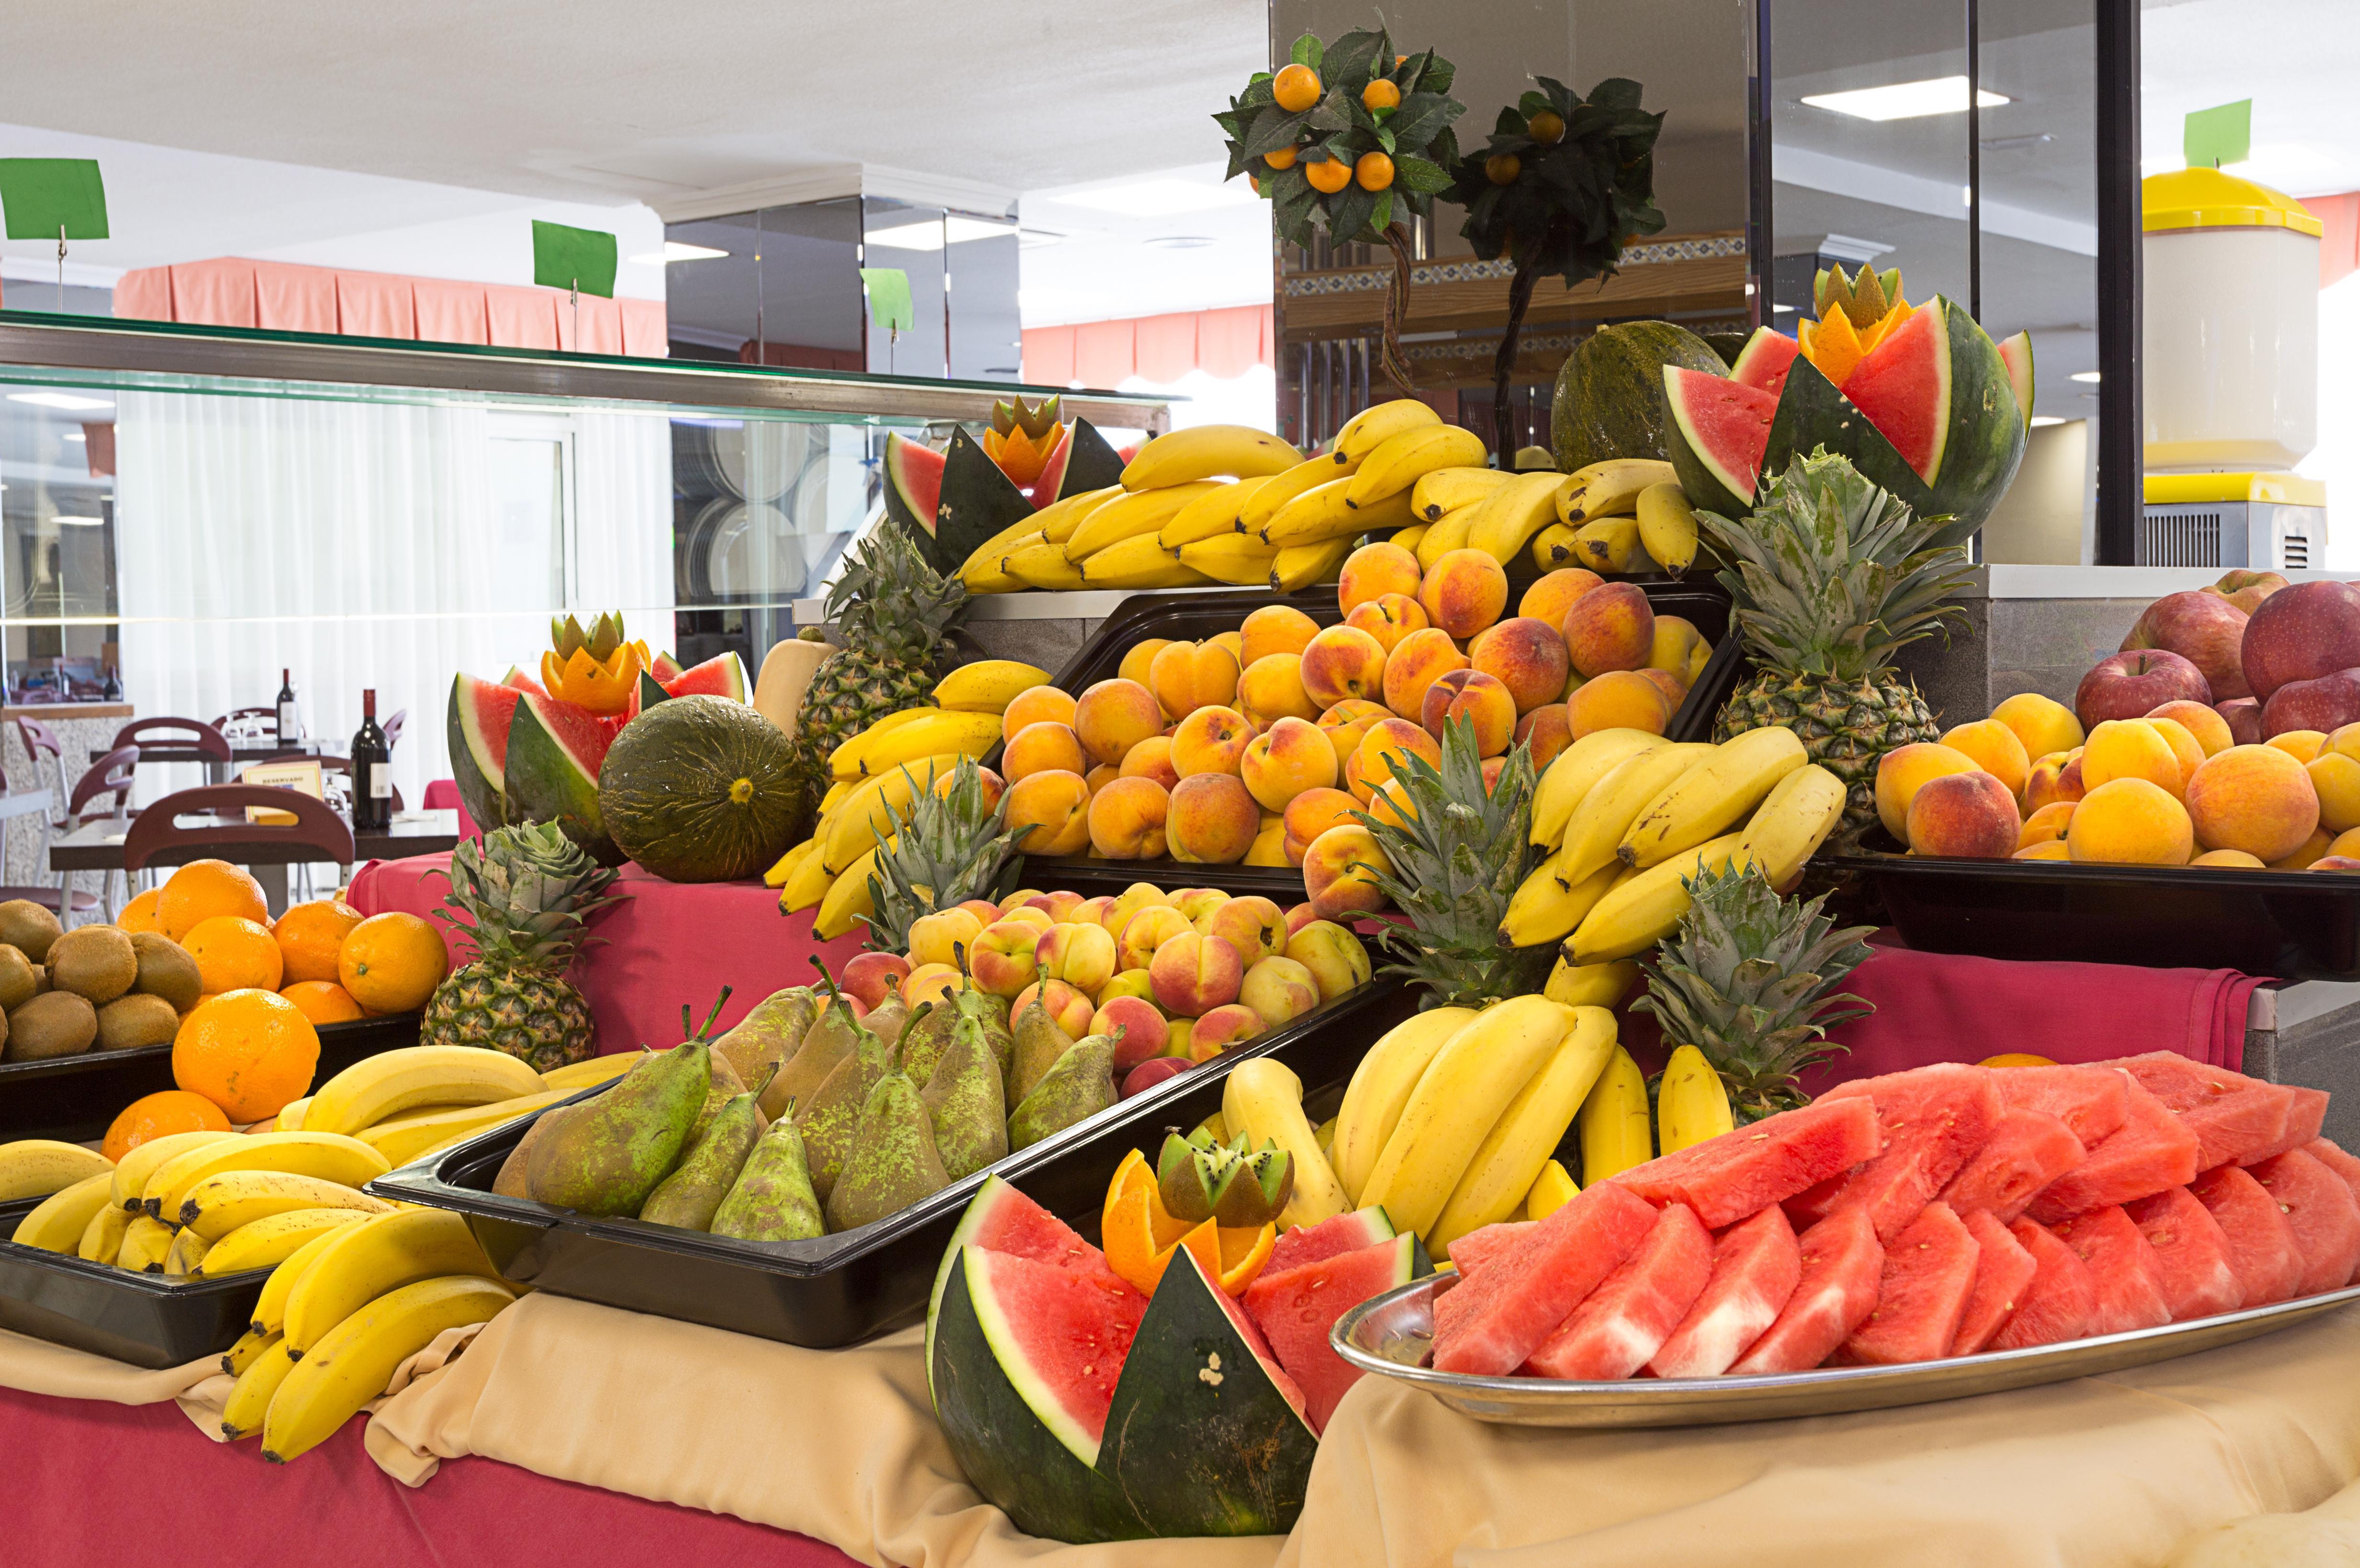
x=913, y=484
x=723, y=675
x=1716, y=431
x=551, y=770
x=2016, y=353
x=1762, y=363
x=1001, y=1219
x=476, y=724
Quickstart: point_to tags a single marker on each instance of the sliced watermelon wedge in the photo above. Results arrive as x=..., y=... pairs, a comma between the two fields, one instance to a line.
x=1842, y=1266
x=2004, y=1272
x=1295, y=1309
x=476, y=724
x=1764, y=361
x=2192, y=1256
x=2320, y=1212
x=551, y=769
x=1715, y=431
x=1904, y=387
x=1048, y=485
x=1634, y=1310
x=723, y=675
x=1059, y=1336
x=913, y=484
x=1344, y=1232
x=1921, y=1299
x=665, y=668
x=2262, y=1248
x=2016, y=353
x=1755, y=1266
x=1481, y=1246
x=2122, y=1265
x=522, y=682
x=2060, y=1304
x=999, y=1218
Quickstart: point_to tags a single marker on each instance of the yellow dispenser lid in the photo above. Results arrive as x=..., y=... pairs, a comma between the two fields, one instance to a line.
x=2209, y=198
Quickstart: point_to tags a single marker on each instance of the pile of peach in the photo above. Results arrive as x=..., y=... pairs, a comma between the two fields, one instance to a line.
x=2169, y=788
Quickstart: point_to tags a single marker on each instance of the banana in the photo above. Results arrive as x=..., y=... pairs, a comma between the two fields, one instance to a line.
x=1381, y=1087
x=986, y=574
x=1043, y=566
x=249, y=1402
x=1607, y=544
x=1791, y=824
x=1129, y=517
x=835, y=792
x=102, y=1239
x=880, y=807
x=847, y=899
x=1712, y=797
x=1667, y=527
x=1373, y=426
x=575, y=1076
x=1213, y=514
x=1608, y=810
x=365, y=1261
x=1545, y=907
x=1056, y=523
x=1201, y=452
x=1407, y=538
x=247, y=1351
x=1613, y=1122
x=1515, y=512
x=1445, y=534
x=329, y=1156
x=144, y=1243
x=806, y=885
x=987, y=556
x=1555, y=548
x=1590, y=985
x=1264, y=504
x=781, y=868
x=1263, y=1100
x=1642, y=910
x=1139, y=562
x=408, y=1138
x=219, y=1205
x=1397, y=462
x=56, y=1222
x=1609, y=488
x=391, y=1082
x=1551, y=1190
x=1509, y=1159
x=1576, y=770
x=1691, y=1105
x=1323, y=514
x=1446, y=490
x=1239, y=559
x=843, y=762
x=937, y=734
x=988, y=685
x=37, y=1167
x=271, y=1308
x=350, y=1364
x=186, y=1255
x=271, y=1240
x=291, y=1116
x=1458, y=1099
x=1301, y=565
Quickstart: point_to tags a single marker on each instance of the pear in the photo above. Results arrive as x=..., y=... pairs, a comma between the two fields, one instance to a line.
x=834, y=1114
x=892, y=1163
x=607, y=1157
x=889, y=1017
x=1039, y=1043
x=991, y=1012
x=725, y=1086
x=928, y=1042
x=511, y=1182
x=772, y=1199
x=689, y=1197
x=966, y=1103
x=825, y=1045
x=767, y=1037
x=1081, y=1084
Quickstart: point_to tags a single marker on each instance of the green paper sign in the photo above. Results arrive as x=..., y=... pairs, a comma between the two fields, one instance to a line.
x=45, y=194
x=566, y=257
x=889, y=298
x=2215, y=136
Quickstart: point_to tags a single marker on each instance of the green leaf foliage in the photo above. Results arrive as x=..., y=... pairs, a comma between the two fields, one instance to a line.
x=1575, y=203
x=1306, y=51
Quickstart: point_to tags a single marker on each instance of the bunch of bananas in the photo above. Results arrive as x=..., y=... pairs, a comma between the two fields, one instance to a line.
x=1691, y=1105
x=1613, y=517
x=1629, y=817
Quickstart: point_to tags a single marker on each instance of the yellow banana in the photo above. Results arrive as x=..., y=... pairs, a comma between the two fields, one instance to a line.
x=1555, y=547
x=844, y=761
x=391, y=1082
x=1608, y=810
x=144, y=1243
x=1301, y=565
x=1551, y=1190
x=1590, y=985
x=1667, y=527
x=1791, y=824
x=1639, y=913
x=1446, y=490
x=848, y=900
x=219, y=1205
x=249, y=1401
x=969, y=734
x=1445, y=534
x=1043, y=566
x=1380, y=1088
x=1214, y=513
x=1545, y=907
x=1609, y=487
x=1458, y=1099
x=1407, y=538
x=1397, y=462
x=1509, y=1158
x=806, y=885
x=413, y=1136
x=837, y=791
x=270, y=1241
x=1203, y=451
x=1056, y=523
x=1322, y=514
x=1607, y=544
x=782, y=867
x=247, y=1351
x=1613, y=1121
x=131, y=1176
x=367, y=1260
x=1576, y=770
x=988, y=685
x=186, y=1255
x=350, y=1364
x=291, y=1116
x=575, y=1076
x=1264, y=504
x=987, y=556
x=1373, y=425
x=1691, y=1105
x=102, y=1239
x=1263, y=1100
x=980, y=578
x=1239, y=559
x=330, y=1157
x=880, y=806
x=1514, y=513
x=270, y=1309
x=1141, y=514
x=1139, y=562
x=36, y=1166
x=1712, y=797
x=56, y=1222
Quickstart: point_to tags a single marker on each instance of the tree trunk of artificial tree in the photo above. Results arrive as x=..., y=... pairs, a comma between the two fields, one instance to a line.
x=1395, y=365
x=1520, y=296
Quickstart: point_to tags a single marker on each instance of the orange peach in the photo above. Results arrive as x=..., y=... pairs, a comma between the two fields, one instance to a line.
x=1271, y=688
x=1312, y=813
x=2043, y=724
x=1127, y=818
x=2335, y=777
x=1284, y=761
x=1995, y=748
x=1343, y=663
x=1389, y=619
x=1279, y=989
x=2185, y=747
x=1002, y=960
x=1612, y=627
x=1966, y=816
x=937, y=983
x=1224, y=1028
x=1130, y=901
x=1620, y=699
x=2048, y=822
x=2044, y=782
x=1139, y=1028
x=1147, y=931
x=1390, y=804
x=1676, y=641
x=2205, y=726
x=1043, y=747
x=2313, y=848
x=1346, y=723
x=1415, y=661
x=1029, y=914
x=1082, y=956
x=983, y=909
x=1269, y=847
x=1274, y=628
x=1139, y=658
x=2343, y=863
x=1056, y=806
x=1210, y=740
x=1189, y=675
x=1552, y=595
x=1333, y=955
x=1151, y=758
x=1298, y=916
x=1373, y=571
x=1036, y=705
x=1098, y=777
x=1115, y=715
x=2048, y=849
x=1526, y=656
x=1465, y=591
x=2131, y=748
x=2304, y=745
x=1546, y=732
x=944, y=937
x=2256, y=799
x=1253, y=924
x=1675, y=690
x=1903, y=771
x=1341, y=870
x=2132, y=822
x=1092, y=912
x=1066, y=1006
x=1214, y=819
x=1197, y=902
x=1235, y=642
x=2236, y=859
x=1471, y=696
x=1390, y=739
x=1058, y=905
x=1193, y=974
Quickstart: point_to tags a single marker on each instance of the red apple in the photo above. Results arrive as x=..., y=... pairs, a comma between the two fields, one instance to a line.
x=1149, y=1073
x=2326, y=704
x=2243, y=717
x=2300, y=634
x=2203, y=628
x=872, y=977
x=2134, y=684
x=2246, y=590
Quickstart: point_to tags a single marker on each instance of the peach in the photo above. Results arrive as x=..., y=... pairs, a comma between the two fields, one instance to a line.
x=1492, y=767
x=1213, y=820
x=1271, y=689
x=1056, y=807
x=1284, y=761
x=1552, y=595
x=1343, y=663
x=1253, y=924
x=1082, y=956
x=1139, y=658
x=1390, y=739
x=1299, y=915
x=2185, y=747
x=1058, y=906
x=1966, y=816
x=994, y=785
x=1128, y=982
x=1002, y=961
x=1224, y=1028
x=1469, y=696
x=1313, y=813
x=1699, y=657
x=1067, y=1008
x=1345, y=723
x=1193, y=974
x=1373, y=571
x=2301, y=744
x=935, y=983
x=1269, y=847
x=1127, y=818
x=2205, y=726
x=2048, y=822
x=1390, y=804
x=2260, y=799
x=2236, y=859
x=984, y=911
x=1341, y=870
x=1612, y=627
x=1525, y=655
x=1332, y=955
x=1098, y=777
x=2043, y=724
x=1129, y=902
x=1147, y=931
x=1036, y=705
x=1274, y=628
x=1196, y=903
x=1416, y=662
x=1143, y=1031
x=1464, y=592
x=1903, y=771
x=1546, y=732
x=1043, y=747
x=1019, y=898
x=944, y=937
x=2335, y=777
x=1176, y=1040
x=1996, y=749
x=1620, y=699
x=2050, y=849
x=2044, y=783
x=1235, y=642
x=1210, y=740
x=872, y=977
x=2345, y=739
x=1029, y=915
x=1675, y=690
x=2313, y=848
x=1675, y=639
x=1279, y=990
x=1188, y=675
x=2343, y=863
x=1389, y=619
x=1115, y=715
x=1092, y=912
x=1150, y=758
x=2131, y=748
x=2131, y=820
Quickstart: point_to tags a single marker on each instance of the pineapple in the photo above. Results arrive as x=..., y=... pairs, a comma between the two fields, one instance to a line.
x=527, y=893
x=1832, y=577
x=894, y=615
x=1456, y=857
x=1747, y=980
x=949, y=850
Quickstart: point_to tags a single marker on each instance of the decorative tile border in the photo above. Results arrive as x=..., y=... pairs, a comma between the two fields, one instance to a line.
x=1359, y=280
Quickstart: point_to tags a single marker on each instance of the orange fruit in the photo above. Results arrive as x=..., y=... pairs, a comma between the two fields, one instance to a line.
x=1137, y=1234
x=160, y=1115
x=2017, y=1059
x=391, y=963
x=139, y=915
x=1380, y=94
x=1501, y=168
x=1548, y=127
x=247, y=1051
x=233, y=953
x=1243, y=1253
x=1374, y=171
x=1295, y=88
x=323, y=1001
x=1329, y=176
x=204, y=888
x=311, y=935
x=1283, y=159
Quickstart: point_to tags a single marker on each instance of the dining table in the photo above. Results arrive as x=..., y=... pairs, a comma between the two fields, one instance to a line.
x=98, y=846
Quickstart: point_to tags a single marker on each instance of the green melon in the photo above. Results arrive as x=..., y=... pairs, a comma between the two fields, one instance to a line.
x=699, y=788
x=1608, y=400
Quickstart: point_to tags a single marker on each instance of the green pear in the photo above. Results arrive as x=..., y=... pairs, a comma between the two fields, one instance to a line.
x=772, y=1199
x=834, y=1114
x=512, y=1181
x=888, y=1018
x=690, y=1195
x=1081, y=1084
x=725, y=1086
x=966, y=1103
x=991, y=1013
x=825, y=1046
x=892, y=1163
x=607, y=1157
x=765, y=1037
x=928, y=1042
x=1039, y=1043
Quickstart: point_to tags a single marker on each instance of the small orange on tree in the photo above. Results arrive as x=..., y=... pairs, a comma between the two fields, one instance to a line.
x=1283, y=159
x=1328, y=175
x=1381, y=93
x=1296, y=88
x=1374, y=171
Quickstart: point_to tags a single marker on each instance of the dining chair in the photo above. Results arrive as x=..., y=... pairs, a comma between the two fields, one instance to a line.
x=236, y=713
x=110, y=775
x=158, y=838
x=39, y=741
x=174, y=740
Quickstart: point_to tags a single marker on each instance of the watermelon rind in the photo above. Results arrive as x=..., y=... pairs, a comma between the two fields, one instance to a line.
x=1606, y=404
x=1985, y=444
x=666, y=668
x=1090, y=465
x=477, y=708
x=989, y=1214
x=1330, y=1237
x=1318, y=1294
x=2016, y=353
x=1916, y=355
x=521, y=681
x=554, y=780
x=979, y=502
x=1812, y=414
x=723, y=675
x=651, y=693
x=913, y=484
x=1710, y=483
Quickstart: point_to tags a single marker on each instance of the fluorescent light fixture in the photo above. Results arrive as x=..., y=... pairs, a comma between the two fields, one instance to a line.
x=1782, y=309
x=673, y=250
x=2039, y=420
x=1182, y=242
x=1154, y=197
x=60, y=400
x=73, y=436
x=2089, y=377
x=1034, y=239
x=64, y=521
x=929, y=234
x=1905, y=100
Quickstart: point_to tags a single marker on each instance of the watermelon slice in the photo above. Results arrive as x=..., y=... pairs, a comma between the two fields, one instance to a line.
x=1295, y=1309
x=2090, y=1101
x=2150, y=1151
x=1755, y=1266
x=2003, y=1271
x=476, y=728
x=1921, y=1296
x=522, y=682
x=665, y=668
x=2236, y=1119
x=2262, y=1247
x=1627, y=1320
x=1344, y=1232
x=723, y=675
x=1727, y=1177
x=2016, y=353
x=2304, y=1117
x=2320, y=1212
x=2026, y=1151
x=1932, y=1121
x=551, y=770
x=1904, y=387
x=1520, y=1299
x=2122, y=1265
x=974, y=501
x=1715, y=431
x=1060, y=1335
x=999, y=1218
x=2060, y=1304
x=1478, y=1247
x=1048, y=485
x=2192, y=1256
x=913, y=484
x=1764, y=361
x=1842, y=1263
x=2344, y=1165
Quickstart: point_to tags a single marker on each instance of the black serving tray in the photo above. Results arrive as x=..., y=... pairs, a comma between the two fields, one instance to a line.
x=147, y=1320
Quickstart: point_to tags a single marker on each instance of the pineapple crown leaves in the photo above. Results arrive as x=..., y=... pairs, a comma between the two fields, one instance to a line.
x=1415, y=132
x=1832, y=576
x=523, y=896
x=1574, y=202
x=887, y=598
x=948, y=847
x=1456, y=858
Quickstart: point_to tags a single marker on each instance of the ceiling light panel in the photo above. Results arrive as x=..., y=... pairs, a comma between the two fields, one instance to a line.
x=1905, y=100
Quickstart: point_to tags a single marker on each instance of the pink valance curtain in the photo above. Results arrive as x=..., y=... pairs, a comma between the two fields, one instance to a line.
x=2339, y=247
x=1223, y=344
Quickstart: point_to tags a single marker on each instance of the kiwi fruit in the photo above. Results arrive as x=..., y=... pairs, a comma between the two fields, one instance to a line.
x=55, y=1023
x=135, y=1021
x=29, y=927
x=166, y=969
x=95, y=963
x=17, y=983
x=42, y=986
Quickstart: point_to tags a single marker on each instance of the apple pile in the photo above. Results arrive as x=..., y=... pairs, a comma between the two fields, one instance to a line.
x=2270, y=656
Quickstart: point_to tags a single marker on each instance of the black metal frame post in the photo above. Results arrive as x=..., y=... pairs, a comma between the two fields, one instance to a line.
x=1761, y=238
x=2121, y=425
x=1975, y=160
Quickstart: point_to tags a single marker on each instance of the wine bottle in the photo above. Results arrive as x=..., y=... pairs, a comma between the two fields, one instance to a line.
x=372, y=763
x=290, y=717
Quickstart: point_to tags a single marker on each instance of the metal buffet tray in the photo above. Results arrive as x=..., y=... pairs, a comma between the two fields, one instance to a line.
x=1390, y=1335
